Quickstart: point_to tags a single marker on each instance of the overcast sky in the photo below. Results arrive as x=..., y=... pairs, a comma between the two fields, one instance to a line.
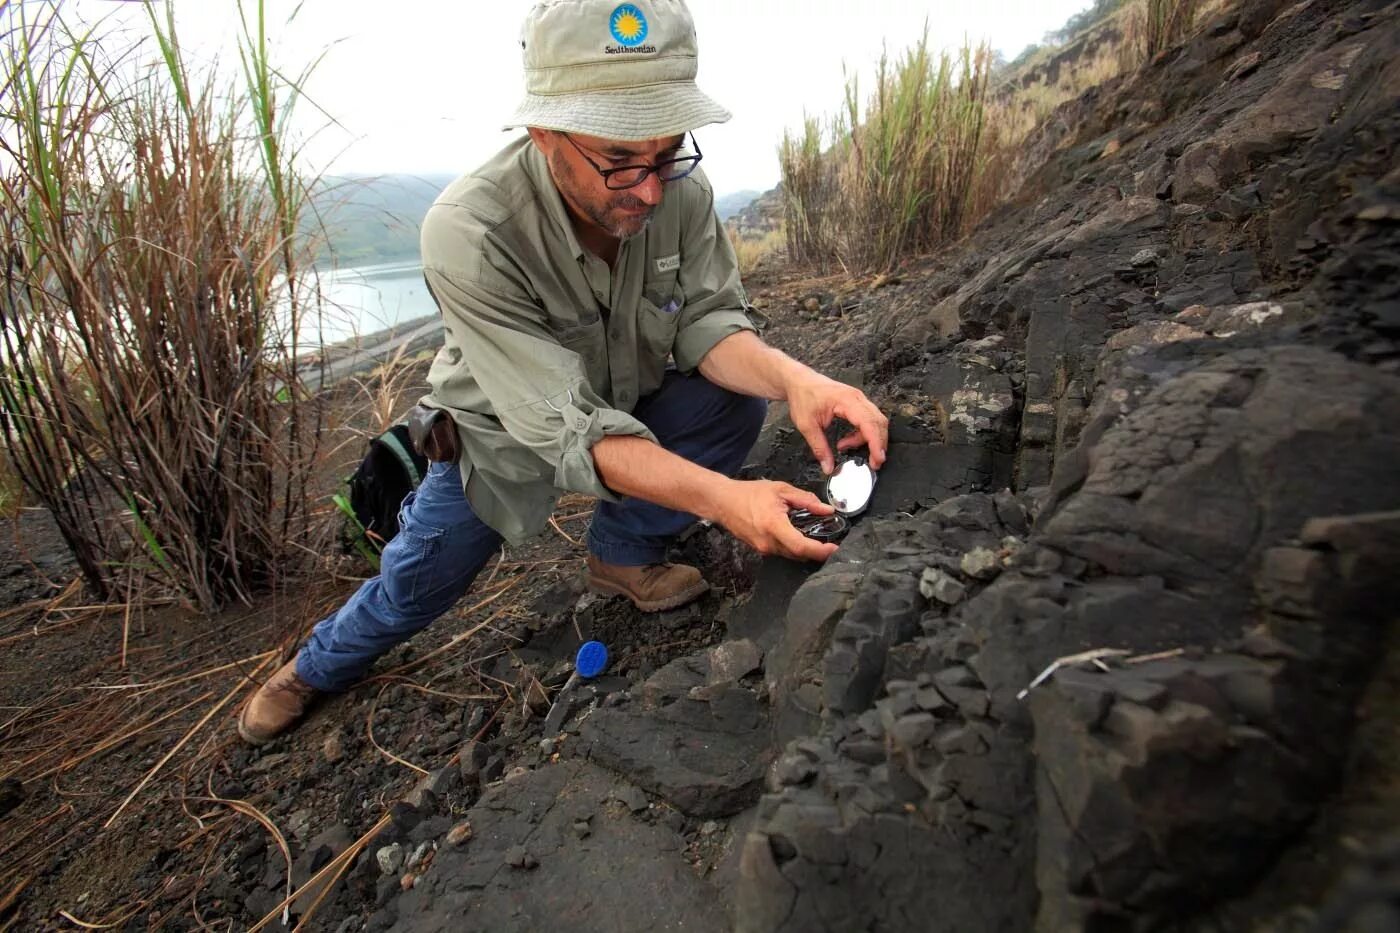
x=424, y=85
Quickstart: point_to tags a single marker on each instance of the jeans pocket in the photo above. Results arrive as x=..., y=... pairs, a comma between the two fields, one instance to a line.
x=411, y=563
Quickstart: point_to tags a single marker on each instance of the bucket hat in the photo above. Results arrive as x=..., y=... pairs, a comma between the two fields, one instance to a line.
x=622, y=71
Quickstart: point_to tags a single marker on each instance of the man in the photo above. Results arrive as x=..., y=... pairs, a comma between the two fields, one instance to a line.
x=569, y=269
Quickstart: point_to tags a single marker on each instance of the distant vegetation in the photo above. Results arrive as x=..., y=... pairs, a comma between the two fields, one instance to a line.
x=372, y=219
x=924, y=155
x=1091, y=15
x=727, y=205
x=369, y=219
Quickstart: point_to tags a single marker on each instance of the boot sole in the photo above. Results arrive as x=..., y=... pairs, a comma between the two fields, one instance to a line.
x=251, y=739
x=606, y=588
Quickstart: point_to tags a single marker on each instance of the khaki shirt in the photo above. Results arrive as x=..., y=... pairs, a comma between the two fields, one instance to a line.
x=547, y=350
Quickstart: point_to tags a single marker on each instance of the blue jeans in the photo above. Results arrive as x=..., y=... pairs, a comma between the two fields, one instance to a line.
x=441, y=545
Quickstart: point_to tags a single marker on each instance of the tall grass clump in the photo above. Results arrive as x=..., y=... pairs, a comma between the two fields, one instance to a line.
x=153, y=301
x=897, y=176
x=809, y=193
x=1153, y=26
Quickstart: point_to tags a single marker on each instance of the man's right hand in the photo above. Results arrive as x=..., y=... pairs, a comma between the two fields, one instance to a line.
x=756, y=512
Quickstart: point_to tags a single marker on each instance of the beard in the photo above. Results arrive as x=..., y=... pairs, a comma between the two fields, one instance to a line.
x=614, y=214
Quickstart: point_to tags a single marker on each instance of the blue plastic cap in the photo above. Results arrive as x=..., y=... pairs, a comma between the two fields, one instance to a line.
x=592, y=659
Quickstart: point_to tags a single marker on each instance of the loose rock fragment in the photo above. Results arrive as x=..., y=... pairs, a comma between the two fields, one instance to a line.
x=421, y=855
x=459, y=834
x=733, y=660
x=631, y=797
x=981, y=563
x=390, y=859
x=936, y=584
x=1145, y=257
x=333, y=749
x=517, y=857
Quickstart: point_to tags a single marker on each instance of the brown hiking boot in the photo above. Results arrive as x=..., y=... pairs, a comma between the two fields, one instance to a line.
x=276, y=706
x=651, y=588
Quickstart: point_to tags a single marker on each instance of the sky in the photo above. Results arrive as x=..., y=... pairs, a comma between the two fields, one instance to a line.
x=426, y=89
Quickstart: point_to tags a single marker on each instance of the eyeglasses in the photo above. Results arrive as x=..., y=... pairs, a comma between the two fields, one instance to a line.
x=630, y=176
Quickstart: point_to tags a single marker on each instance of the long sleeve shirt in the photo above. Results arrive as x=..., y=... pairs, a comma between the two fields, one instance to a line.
x=546, y=349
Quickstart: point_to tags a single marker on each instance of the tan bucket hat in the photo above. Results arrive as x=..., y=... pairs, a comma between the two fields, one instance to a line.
x=614, y=70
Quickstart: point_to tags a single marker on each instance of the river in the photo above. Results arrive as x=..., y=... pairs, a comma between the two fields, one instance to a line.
x=361, y=300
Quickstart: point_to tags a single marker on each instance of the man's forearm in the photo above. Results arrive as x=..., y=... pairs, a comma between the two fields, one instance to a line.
x=743, y=363
x=634, y=466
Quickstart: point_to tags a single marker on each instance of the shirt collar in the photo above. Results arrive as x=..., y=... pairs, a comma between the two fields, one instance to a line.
x=538, y=170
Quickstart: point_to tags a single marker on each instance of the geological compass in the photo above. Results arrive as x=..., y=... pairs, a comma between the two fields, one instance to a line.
x=848, y=490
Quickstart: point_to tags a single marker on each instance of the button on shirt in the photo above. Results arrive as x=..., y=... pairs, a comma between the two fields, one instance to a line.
x=546, y=349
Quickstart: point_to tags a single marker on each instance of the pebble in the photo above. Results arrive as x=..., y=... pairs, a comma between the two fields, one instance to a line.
x=546, y=747
x=333, y=749
x=517, y=773
x=517, y=857
x=1145, y=257
x=709, y=828
x=299, y=823
x=422, y=854
x=269, y=762
x=459, y=834
x=390, y=859
x=472, y=759
x=582, y=829
x=631, y=796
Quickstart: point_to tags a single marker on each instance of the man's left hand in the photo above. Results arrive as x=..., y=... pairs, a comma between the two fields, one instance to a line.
x=814, y=401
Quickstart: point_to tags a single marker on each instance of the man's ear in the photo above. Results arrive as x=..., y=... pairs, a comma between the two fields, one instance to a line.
x=544, y=140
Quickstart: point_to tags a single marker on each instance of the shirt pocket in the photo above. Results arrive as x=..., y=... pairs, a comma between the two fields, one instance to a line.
x=589, y=342
x=657, y=326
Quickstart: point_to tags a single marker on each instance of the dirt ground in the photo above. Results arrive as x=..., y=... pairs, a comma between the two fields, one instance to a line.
x=127, y=800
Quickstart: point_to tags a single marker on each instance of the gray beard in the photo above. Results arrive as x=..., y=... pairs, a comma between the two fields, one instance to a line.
x=621, y=231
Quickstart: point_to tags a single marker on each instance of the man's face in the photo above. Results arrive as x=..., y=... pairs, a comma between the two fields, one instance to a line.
x=619, y=214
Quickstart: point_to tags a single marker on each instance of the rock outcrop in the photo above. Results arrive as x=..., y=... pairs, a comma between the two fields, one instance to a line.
x=1095, y=658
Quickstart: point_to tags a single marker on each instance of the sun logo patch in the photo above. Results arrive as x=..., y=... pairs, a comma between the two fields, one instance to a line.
x=628, y=25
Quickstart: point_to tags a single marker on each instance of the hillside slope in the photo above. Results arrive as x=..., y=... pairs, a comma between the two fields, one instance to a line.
x=1180, y=343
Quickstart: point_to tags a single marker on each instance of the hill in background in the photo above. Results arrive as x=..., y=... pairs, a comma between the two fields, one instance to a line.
x=370, y=219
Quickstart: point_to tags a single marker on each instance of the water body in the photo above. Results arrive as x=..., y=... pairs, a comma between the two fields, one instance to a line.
x=361, y=300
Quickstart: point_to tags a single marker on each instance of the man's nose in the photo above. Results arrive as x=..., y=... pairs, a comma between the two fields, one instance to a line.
x=649, y=191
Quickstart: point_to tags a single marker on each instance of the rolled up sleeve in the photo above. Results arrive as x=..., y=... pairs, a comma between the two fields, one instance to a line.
x=537, y=387
x=709, y=278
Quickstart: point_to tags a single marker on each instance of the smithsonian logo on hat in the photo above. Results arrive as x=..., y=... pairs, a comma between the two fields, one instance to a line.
x=628, y=26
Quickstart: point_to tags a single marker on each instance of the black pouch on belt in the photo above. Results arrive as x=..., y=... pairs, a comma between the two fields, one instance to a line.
x=434, y=434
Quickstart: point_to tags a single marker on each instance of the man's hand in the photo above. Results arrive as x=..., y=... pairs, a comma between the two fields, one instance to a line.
x=756, y=512
x=814, y=401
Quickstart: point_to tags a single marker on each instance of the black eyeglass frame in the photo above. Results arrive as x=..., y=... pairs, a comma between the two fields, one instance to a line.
x=646, y=170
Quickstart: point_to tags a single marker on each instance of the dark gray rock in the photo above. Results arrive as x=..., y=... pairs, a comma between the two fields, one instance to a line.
x=705, y=757
x=526, y=869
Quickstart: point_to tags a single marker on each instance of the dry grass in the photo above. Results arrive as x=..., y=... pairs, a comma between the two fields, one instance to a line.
x=751, y=251
x=897, y=176
x=1153, y=26
x=153, y=301
x=926, y=157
